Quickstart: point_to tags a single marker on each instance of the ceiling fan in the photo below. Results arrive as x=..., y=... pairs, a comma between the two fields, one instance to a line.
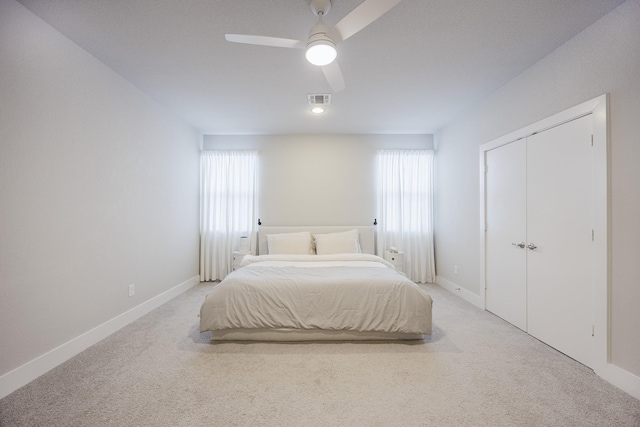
x=322, y=41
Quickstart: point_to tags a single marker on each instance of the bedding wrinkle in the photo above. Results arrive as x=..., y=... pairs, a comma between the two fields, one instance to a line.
x=334, y=294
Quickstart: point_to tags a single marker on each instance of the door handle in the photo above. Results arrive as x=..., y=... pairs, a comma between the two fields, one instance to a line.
x=532, y=246
x=520, y=245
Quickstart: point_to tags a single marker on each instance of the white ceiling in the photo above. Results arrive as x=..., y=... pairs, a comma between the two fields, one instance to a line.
x=414, y=70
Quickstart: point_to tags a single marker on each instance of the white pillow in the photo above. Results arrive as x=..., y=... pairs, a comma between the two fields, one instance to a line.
x=351, y=234
x=337, y=246
x=290, y=243
x=341, y=235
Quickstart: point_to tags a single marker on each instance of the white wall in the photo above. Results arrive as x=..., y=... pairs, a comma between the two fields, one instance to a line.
x=317, y=179
x=98, y=190
x=604, y=58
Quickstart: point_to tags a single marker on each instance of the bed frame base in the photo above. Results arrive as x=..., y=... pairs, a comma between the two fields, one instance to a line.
x=309, y=335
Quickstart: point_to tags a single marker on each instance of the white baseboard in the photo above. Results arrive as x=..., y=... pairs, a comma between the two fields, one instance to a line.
x=622, y=379
x=461, y=292
x=31, y=370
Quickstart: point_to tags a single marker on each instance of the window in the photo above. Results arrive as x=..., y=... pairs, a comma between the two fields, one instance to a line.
x=405, y=209
x=228, y=195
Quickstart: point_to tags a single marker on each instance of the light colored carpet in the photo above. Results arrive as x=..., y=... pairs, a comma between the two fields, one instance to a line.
x=475, y=370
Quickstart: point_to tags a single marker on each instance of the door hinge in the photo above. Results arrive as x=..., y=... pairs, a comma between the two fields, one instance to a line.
x=592, y=140
x=486, y=168
x=593, y=330
x=593, y=236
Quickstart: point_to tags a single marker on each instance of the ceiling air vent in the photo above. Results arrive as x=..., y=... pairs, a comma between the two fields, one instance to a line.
x=319, y=98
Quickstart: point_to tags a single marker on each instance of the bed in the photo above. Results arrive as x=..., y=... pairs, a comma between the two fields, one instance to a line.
x=316, y=283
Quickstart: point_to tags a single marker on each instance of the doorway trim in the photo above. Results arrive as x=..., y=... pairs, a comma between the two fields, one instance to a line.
x=598, y=108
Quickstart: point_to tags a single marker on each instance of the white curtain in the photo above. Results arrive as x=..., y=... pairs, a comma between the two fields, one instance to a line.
x=405, y=209
x=228, y=203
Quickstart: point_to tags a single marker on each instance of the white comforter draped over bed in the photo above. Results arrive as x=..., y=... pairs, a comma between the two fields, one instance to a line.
x=354, y=292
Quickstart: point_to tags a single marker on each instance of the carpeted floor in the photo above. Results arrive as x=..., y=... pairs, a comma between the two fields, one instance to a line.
x=475, y=370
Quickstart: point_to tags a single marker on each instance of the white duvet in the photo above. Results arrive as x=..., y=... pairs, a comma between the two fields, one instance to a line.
x=352, y=292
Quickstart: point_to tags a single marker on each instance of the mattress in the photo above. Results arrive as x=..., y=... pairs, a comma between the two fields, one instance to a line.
x=297, y=297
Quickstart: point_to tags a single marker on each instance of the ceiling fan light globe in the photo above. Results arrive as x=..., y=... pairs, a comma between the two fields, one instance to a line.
x=321, y=52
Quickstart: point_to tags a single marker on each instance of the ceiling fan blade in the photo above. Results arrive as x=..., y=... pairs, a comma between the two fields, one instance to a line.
x=265, y=41
x=363, y=15
x=334, y=76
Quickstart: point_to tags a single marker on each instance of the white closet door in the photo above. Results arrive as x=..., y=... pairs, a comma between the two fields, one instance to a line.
x=559, y=224
x=505, y=264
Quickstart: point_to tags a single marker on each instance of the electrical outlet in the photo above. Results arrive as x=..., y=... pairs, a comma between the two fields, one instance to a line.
x=132, y=289
x=455, y=270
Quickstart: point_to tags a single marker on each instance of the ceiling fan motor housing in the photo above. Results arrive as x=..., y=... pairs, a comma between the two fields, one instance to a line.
x=321, y=49
x=319, y=32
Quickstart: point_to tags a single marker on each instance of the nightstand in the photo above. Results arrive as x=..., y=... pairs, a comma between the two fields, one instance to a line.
x=237, y=259
x=395, y=258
